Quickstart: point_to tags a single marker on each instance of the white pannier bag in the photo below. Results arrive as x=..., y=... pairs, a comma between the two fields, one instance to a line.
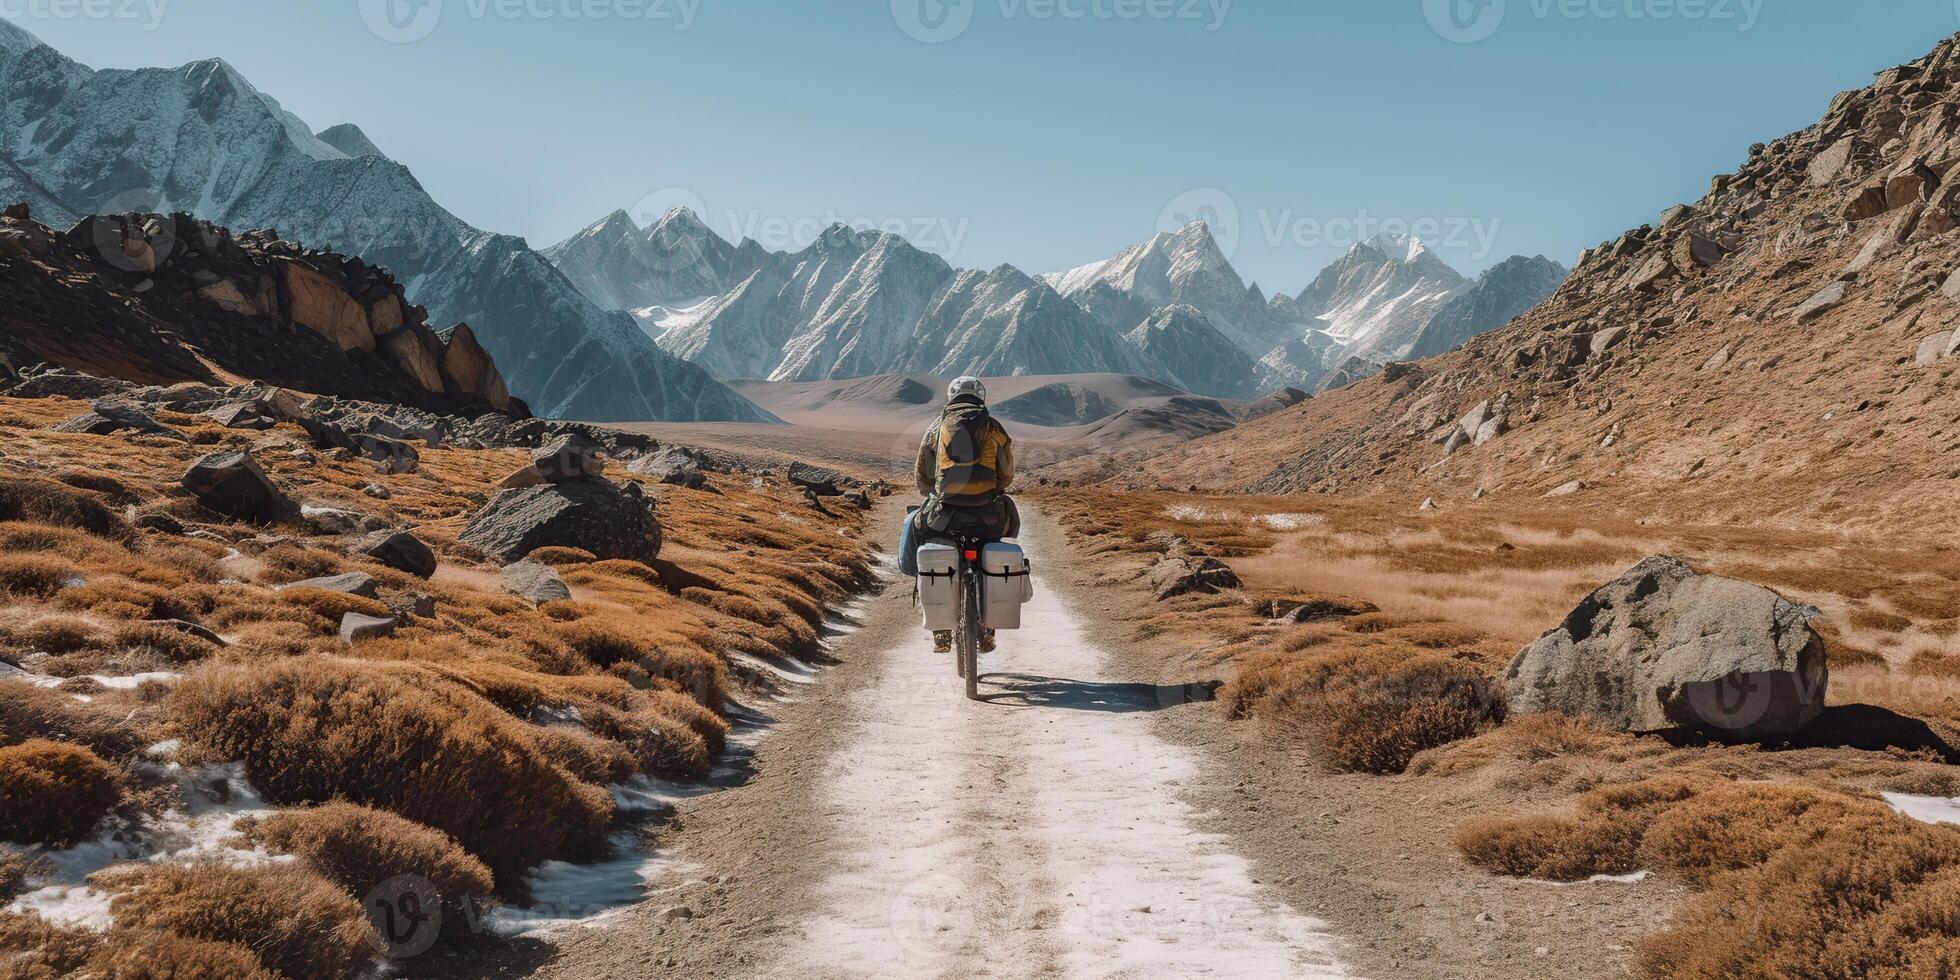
x=1007, y=586
x=939, y=590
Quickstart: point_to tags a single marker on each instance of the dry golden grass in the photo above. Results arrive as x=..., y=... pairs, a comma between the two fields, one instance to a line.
x=131, y=954
x=297, y=923
x=13, y=873
x=358, y=848
x=53, y=793
x=319, y=729
x=1795, y=881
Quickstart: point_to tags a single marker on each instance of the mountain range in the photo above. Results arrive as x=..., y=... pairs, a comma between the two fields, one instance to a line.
x=1780, y=351
x=858, y=304
x=200, y=139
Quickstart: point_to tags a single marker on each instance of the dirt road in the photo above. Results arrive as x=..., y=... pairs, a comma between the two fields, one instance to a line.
x=897, y=829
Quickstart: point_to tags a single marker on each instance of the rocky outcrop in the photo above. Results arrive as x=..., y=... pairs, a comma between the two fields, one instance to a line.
x=596, y=515
x=224, y=302
x=1664, y=647
x=534, y=582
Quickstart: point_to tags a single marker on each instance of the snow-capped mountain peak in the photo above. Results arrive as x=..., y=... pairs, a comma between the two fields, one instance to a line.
x=1185, y=266
x=14, y=40
x=349, y=139
x=1401, y=248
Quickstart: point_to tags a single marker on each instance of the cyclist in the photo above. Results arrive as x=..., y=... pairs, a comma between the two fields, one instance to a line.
x=965, y=466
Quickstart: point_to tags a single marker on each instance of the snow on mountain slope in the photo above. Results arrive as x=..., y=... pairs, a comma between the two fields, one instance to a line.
x=1377, y=298
x=620, y=266
x=1184, y=267
x=1008, y=323
x=1499, y=295
x=201, y=139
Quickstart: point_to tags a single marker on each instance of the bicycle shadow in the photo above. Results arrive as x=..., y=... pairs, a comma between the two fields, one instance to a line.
x=1031, y=691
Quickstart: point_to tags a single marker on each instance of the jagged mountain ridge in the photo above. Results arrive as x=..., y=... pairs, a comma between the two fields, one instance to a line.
x=1376, y=299
x=1503, y=292
x=1779, y=351
x=77, y=141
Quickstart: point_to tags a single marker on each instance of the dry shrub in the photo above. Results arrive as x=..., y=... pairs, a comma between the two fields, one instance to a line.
x=13, y=874
x=52, y=634
x=358, y=848
x=661, y=745
x=33, y=575
x=53, y=792
x=1873, y=896
x=48, y=502
x=556, y=555
x=1438, y=636
x=297, y=922
x=1798, y=881
x=28, y=712
x=292, y=562
x=702, y=722
x=608, y=642
x=317, y=729
x=137, y=954
x=32, y=948
x=587, y=756
x=1528, y=738
x=1867, y=618
x=332, y=605
x=1370, y=710
x=171, y=646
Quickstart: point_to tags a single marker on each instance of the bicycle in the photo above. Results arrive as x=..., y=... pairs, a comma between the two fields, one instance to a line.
x=970, y=623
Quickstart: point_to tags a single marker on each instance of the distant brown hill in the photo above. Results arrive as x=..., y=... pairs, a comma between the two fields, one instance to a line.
x=158, y=299
x=1782, y=349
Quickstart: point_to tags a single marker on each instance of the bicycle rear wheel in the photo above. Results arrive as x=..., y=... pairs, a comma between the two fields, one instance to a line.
x=967, y=642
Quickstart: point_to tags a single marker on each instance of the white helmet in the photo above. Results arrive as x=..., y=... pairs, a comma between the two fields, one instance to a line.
x=967, y=387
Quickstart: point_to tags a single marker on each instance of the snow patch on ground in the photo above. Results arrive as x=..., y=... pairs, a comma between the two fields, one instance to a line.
x=565, y=895
x=1292, y=522
x=216, y=798
x=1925, y=809
x=1201, y=515
x=1625, y=879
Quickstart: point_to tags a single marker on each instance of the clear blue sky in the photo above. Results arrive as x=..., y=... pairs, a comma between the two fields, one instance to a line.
x=1047, y=140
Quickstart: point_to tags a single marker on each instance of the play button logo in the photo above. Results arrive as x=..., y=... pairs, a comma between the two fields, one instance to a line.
x=1464, y=21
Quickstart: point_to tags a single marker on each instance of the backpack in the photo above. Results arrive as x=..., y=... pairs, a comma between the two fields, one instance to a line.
x=970, y=448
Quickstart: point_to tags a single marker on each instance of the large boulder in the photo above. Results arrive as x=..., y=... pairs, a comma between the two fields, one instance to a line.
x=232, y=484
x=607, y=519
x=1664, y=647
x=568, y=457
x=401, y=551
x=817, y=480
x=671, y=466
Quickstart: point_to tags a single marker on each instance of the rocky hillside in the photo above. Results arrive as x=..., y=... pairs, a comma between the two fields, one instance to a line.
x=201, y=139
x=158, y=299
x=1780, y=349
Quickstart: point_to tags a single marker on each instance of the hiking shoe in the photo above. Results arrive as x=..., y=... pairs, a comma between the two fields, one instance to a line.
x=942, y=641
x=987, y=641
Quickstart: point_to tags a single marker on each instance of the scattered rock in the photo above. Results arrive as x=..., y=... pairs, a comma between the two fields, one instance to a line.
x=232, y=483
x=401, y=551
x=1313, y=609
x=598, y=516
x=1936, y=346
x=413, y=605
x=568, y=457
x=355, y=627
x=817, y=480
x=106, y=418
x=378, y=492
x=1566, y=489
x=1191, y=576
x=535, y=582
x=241, y=415
x=1663, y=647
x=1821, y=302
x=671, y=466
x=336, y=520
x=349, y=583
